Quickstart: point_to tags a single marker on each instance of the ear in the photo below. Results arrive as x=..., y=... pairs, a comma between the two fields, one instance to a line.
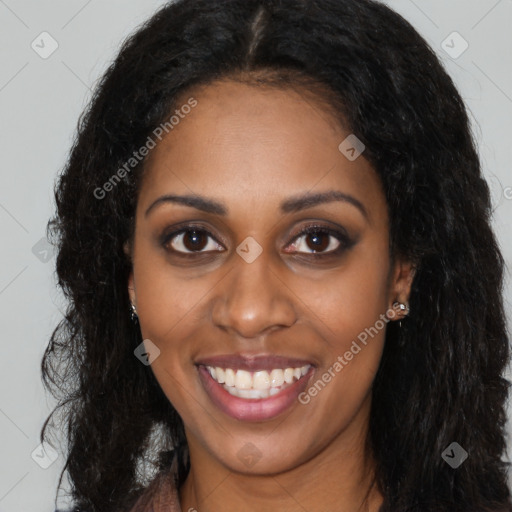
x=131, y=287
x=402, y=275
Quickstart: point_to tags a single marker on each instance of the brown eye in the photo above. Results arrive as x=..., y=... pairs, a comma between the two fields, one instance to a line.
x=194, y=240
x=318, y=241
x=191, y=240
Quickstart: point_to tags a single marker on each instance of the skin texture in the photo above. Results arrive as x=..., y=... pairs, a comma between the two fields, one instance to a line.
x=250, y=149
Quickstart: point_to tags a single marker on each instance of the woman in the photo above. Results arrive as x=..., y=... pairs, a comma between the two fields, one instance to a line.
x=284, y=289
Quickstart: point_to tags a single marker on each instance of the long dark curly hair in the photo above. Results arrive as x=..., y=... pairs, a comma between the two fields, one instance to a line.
x=441, y=374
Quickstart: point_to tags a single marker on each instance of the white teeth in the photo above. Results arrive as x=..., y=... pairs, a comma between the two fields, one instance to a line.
x=248, y=393
x=231, y=390
x=276, y=378
x=251, y=393
x=260, y=380
x=221, y=375
x=260, y=384
x=243, y=380
x=230, y=377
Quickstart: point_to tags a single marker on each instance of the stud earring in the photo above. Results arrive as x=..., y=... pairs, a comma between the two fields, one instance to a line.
x=402, y=308
x=133, y=313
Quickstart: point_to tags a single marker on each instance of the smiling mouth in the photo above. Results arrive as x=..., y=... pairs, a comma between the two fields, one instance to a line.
x=254, y=387
x=258, y=384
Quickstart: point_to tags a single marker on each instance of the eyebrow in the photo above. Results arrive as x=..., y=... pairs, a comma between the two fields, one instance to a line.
x=292, y=204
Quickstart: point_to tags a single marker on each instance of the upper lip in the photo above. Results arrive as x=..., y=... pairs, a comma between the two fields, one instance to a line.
x=253, y=363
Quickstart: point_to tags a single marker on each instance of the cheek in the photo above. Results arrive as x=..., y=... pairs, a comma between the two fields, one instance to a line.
x=349, y=315
x=165, y=299
x=168, y=307
x=353, y=297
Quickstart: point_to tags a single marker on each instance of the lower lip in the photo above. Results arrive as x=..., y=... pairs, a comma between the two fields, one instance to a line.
x=252, y=409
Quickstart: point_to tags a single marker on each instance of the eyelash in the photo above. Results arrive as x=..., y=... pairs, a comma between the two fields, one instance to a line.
x=345, y=242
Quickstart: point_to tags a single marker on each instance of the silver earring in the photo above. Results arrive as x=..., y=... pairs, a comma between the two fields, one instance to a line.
x=403, y=309
x=133, y=313
x=401, y=306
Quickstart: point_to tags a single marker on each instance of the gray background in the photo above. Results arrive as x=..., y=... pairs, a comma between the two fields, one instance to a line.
x=40, y=101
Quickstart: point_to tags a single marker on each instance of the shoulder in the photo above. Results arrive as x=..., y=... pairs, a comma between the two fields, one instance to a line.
x=160, y=496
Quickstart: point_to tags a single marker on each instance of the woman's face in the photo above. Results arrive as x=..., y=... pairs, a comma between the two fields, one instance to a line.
x=271, y=310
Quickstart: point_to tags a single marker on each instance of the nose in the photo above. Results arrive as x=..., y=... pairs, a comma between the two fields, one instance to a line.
x=253, y=300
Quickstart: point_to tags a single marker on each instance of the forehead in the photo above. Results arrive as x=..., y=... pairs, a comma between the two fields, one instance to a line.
x=255, y=145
